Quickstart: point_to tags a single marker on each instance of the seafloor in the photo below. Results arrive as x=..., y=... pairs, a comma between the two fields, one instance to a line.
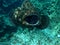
x=17, y=35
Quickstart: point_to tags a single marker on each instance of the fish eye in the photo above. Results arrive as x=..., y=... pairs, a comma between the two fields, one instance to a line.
x=32, y=20
x=30, y=17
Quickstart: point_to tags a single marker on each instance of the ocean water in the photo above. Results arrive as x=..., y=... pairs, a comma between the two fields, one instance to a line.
x=15, y=30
